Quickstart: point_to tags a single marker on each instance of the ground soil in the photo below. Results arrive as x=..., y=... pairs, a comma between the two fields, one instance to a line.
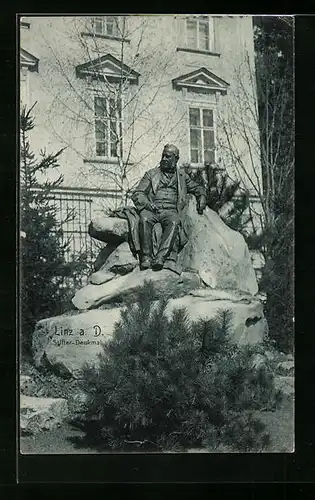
x=63, y=440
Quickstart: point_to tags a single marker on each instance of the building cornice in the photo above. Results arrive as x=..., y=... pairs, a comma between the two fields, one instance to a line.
x=28, y=60
x=198, y=51
x=107, y=66
x=105, y=160
x=105, y=37
x=201, y=79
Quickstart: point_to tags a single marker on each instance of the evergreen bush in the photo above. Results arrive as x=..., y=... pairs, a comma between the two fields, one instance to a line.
x=166, y=383
x=224, y=196
x=45, y=288
x=274, y=61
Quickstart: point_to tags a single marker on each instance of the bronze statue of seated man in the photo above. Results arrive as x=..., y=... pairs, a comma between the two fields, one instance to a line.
x=160, y=197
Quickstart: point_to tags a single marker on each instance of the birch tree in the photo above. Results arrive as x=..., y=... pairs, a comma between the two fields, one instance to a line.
x=133, y=111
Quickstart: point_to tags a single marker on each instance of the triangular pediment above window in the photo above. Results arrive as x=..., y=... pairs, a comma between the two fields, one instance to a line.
x=108, y=66
x=28, y=60
x=201, y=79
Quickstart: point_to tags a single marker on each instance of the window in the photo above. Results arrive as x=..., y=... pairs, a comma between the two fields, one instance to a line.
x=198, y=33
x=106, y=25
x=107, y=120
x=202, y=142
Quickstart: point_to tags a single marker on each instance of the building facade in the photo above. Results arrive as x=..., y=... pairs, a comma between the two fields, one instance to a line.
x=112, y=90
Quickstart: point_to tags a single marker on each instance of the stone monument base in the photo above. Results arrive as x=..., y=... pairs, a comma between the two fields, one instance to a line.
x=65, y=343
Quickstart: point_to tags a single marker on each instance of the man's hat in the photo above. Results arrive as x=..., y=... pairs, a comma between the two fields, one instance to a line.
x=172, y=148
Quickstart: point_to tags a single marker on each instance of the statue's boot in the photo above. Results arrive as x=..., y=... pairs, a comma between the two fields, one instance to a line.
x=158, y=263
x=145, y=263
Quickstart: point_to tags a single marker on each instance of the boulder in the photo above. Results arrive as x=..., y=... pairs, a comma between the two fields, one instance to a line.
x=40, y=414
x=122, y=287
x=285, y=368
x=65, y=343
x=258, y=259
x=120, y=261
x=109, y=229
x=249, y=325
x=101, y=277
x=27, y=385
x=230, y=295
x=218, y=253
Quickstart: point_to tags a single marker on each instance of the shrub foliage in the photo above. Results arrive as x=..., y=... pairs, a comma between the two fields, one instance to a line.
x=44, y=268
x=166, y=383
x=224, y=193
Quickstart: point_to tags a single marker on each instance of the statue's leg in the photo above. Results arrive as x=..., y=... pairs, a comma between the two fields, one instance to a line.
x=170, y=225
x=147, y=221
x=171, y=261
x=175, y=250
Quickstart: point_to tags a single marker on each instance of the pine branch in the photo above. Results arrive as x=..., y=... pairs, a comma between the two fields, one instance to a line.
x=48, y=161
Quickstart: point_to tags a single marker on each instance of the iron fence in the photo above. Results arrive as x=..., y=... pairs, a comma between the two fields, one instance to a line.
x=74, y=210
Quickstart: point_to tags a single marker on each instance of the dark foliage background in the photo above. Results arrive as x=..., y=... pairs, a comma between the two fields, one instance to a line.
x=274, y=238
x=274, y=45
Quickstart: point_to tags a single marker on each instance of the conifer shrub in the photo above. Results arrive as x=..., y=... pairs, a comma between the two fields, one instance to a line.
x=224, y=193
x=165, y=383
x=44, y=271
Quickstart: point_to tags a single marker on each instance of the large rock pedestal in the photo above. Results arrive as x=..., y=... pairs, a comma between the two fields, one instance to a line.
x=214, y=251
x=218, y=253
x=66, y=343
x=122, y=287
x=217, y=275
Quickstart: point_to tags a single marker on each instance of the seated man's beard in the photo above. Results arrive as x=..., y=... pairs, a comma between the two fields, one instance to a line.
x=167, y=167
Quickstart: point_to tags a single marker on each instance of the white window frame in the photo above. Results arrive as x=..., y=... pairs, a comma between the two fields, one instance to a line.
x=118, y=119
x=104, y=20
x=201, y=107
x=197, y=19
